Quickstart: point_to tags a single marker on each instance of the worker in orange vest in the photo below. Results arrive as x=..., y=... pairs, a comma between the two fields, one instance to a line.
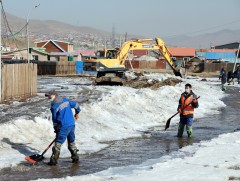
x=186, y=110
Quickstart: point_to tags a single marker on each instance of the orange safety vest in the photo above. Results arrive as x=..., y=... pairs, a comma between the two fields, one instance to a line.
x=186, y=110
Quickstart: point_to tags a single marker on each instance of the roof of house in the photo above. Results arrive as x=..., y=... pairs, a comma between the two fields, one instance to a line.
x=63, y=53
x=86, y=52
x=38, y=50
x=182, y=52
x=53, y=40
x=222, y=50
x=55, y=43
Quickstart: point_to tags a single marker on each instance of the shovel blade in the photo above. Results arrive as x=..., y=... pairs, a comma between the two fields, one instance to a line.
x=34, y=158
x=167, y=124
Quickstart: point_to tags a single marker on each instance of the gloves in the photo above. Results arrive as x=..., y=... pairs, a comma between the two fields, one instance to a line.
x=179, y=110
x=56, y=129
x=76, y=116
x=194, y=101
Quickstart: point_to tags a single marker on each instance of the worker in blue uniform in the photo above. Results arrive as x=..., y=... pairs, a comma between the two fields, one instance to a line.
x=64, y=125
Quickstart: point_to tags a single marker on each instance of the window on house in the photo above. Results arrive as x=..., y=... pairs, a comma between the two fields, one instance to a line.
x=57, y=59
x=35, y=57
x=186, y=59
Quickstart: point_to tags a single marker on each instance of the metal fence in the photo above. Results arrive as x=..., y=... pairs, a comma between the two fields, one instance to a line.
x=19, y=81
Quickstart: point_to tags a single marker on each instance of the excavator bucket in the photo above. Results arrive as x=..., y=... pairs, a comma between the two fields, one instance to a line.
x=180, y=72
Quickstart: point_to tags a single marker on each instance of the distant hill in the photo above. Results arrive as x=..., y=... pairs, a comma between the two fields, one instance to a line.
x=52, y=27
x=206, y=40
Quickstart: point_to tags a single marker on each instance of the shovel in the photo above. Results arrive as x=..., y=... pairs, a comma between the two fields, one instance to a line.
x=37, y=158
x=169, y=120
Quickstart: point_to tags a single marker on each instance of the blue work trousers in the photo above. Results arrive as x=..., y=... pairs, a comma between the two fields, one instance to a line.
x=66, y=133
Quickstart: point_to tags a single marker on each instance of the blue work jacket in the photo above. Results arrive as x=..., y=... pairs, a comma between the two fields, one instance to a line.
x=62, y=115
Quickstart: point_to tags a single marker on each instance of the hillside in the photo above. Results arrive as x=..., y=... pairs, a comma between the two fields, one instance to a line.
x=206, y=40
x=51, y=27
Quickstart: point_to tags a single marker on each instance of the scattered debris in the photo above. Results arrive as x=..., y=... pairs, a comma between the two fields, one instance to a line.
x=140, y=82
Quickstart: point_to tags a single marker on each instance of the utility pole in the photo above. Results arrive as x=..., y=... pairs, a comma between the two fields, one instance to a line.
x=234, y=67
x=27, y=31
x=113, y=37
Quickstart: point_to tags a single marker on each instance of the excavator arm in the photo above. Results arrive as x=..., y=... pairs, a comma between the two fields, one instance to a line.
x=145, y=44
x=178, y=71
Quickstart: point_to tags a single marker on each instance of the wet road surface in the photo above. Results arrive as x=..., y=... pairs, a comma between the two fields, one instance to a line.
x=155, y=144
x=76, y=89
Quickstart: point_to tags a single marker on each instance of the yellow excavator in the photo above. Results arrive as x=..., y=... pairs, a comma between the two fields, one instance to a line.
x=110, y=63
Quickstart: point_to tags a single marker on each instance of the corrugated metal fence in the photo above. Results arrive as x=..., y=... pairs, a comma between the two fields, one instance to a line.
x=19, y=81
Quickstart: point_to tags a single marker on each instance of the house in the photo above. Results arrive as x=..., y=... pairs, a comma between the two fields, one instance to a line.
x=55, y=46
x=218, y=55
x=58, y=50
x=181, y=53
x=34, y=54
x=234, y=45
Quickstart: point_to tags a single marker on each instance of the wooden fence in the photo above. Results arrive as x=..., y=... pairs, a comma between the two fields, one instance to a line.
x=56, y=68
x=19, y=81
x=214, y=67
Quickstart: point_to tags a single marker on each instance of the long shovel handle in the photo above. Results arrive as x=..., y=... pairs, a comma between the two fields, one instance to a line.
x=48, y=147
x=174, y=115
x=169, y=120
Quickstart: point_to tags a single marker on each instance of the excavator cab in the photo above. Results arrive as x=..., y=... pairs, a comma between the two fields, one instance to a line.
x=107, y=54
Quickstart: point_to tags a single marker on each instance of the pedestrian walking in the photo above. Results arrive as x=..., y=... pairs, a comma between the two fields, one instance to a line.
x=187, y=103
x=64, y=125
x=230, y=77
x=223, y=78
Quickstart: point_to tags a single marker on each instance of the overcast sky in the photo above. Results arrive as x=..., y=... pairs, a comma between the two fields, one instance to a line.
x=150, y=18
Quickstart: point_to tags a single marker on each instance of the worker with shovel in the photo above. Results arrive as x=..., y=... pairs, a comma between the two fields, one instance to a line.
x=187, y=103
x=64, y=125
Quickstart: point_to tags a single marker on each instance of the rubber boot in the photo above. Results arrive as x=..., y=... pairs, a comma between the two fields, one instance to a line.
x=189, y=131
x=223, y=87
x=180, y=130
x=73, y=149
x=55, y=153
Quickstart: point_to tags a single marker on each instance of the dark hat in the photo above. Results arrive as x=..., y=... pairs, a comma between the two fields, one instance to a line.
x=52, y=92
x=188, y=85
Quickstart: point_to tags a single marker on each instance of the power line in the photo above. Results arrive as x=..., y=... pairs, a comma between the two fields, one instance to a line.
x=8, y=27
